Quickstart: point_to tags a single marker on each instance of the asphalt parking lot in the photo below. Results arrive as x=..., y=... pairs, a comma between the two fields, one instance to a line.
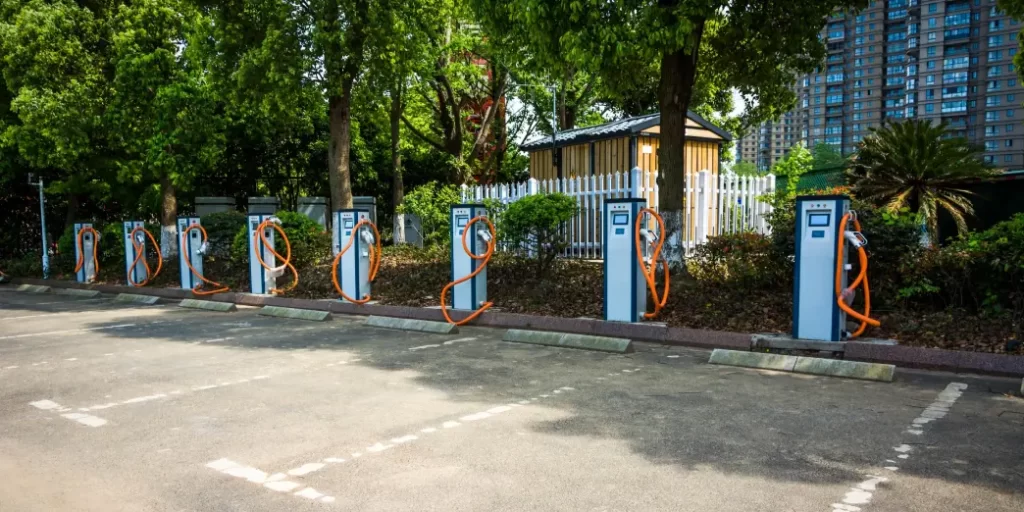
x=115, y=407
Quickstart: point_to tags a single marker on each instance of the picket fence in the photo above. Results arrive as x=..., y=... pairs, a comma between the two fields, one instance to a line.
x=713, y=205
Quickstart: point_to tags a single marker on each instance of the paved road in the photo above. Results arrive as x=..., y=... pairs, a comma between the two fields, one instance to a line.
x=110, y=407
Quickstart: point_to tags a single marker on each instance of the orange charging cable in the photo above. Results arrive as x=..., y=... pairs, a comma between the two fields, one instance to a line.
x=375, y=252
x=259, y=238
x=862, y=278
x=485, y=257
x=197, y=290
x=650, y=271
x=140, y=255
x=81, y=253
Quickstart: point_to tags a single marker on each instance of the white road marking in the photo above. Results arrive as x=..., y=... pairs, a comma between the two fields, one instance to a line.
x=68, y=331
x=862, y=493
x=498, y=410
x=282, y=486
x=334, y=460
x=404, y=439
x=275, y=482
x=327, y=499
x=310, y=493
x=451, y=424
x=306, y=469
x=45, y=405
x=85, y=419
x=421, y=347
x=460, y=340
x=10, y=367
x=673, y=357
x=475, y=417
x=218, y=340
x=379, y=447
x=72, y=359
x=428, y=430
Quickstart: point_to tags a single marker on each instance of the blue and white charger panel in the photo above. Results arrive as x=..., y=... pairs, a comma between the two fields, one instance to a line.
x=354, y=267
x=471, y=294
x=816, y=315
x=189, y=248
x=83, y=252
x=261, y=280
x=136, y=273
x=624, y=284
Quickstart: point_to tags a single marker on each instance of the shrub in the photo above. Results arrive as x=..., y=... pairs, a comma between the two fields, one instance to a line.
x=111, y=247
x=311, y=244
x=746, y=260
x=534, y=226
x=432, y=204
x=994, y=261
x=221, y=229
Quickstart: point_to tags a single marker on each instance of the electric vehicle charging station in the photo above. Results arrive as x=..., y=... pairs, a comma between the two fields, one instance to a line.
x=472, y=293
x=816, y=312
x=354, y=265
x=261, y=279
x=85, y=244
x=191, y=248
x=624, y=284
x=134, y=274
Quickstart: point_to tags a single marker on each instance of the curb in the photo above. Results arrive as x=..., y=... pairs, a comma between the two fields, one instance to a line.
x=294, y=314
x=407, y=324
x=136, y=298
x=580, y=341
x=33, y=288
x=903, y=356
x=75, y=292
x=209, y=305
x=809, y=365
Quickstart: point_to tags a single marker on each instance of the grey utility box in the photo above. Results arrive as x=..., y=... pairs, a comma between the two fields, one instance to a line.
x=314, y=208
x=264, y=205
x=367, y=203
x=206, y=205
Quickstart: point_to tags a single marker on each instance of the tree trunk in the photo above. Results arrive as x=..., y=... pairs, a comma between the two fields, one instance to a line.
x=168, y=217
x=678, y=69
x=339, y=170
x=397, y=187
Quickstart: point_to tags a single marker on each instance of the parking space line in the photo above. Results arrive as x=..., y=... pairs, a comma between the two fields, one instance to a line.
x=84, y=419
x=275, y=482
x=861, y=494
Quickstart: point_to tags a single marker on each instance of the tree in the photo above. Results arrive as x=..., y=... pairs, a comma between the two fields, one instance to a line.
x=54, y=61
x=756, y=46
x=915, y=164
x=745, y=169
x=164, y=113
x=826, y=156
x=1015, y=8
x=791, y=167
x=279, y=55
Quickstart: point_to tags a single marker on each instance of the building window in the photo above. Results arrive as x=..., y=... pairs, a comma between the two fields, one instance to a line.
x=992, y=116
x=994, y=71
x=990, y=145
x=931, y=36
x=1010, y=98
x=995, y=55
x=1009, y=128
x=932, y=22
x=955, y=63
x=995, y=40
x=929, y=94
x=1009, y=113
x=956, y=77
x=930, y=64
x=995, y=24
x=1007, y=158
x=929, y=108
x=988, y=159
x=992, y=101
x=931, y=51
x=1008, y=143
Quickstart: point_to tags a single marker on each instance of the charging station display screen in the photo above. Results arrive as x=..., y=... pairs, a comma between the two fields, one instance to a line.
x=461, y=221
x=620, y=219
x=818, y=219
x=348, y=223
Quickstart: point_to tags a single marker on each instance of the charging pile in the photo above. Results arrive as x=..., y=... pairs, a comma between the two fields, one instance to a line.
x=194, y=245
x=87, y=263
x=473, y=242
x=822, y=299
x=357, y=253
x=263, y=267
x=137, y=270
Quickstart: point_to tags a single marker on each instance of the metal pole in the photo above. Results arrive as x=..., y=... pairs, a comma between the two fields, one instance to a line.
x=554, y=134
x=42, y=230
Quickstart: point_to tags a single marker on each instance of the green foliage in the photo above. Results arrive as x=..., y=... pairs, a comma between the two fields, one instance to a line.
x=745, y=169
x=791, y=167
x=311, y=244
x=534, y=226
x=432, y=204
x=743, y=260
x=221, y=229
x=914, y=164
x=826, y=156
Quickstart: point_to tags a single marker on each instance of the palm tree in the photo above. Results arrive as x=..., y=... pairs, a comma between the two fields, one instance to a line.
x=916, y=164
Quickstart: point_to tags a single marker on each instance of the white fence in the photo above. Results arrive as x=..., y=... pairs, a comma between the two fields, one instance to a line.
x=712, y=205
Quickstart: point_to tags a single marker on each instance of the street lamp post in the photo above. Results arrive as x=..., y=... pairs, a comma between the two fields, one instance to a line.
x=42, y=225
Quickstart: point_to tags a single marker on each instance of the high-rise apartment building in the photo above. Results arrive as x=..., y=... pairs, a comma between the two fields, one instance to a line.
x=769, y=142
x=944, y=60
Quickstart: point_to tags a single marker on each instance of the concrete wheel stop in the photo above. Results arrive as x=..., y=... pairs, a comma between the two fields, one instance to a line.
x=294, y=313
x=33, y=288
x=208, y=305
x=809, y=365
x=136, y=298
x=77, y=292
x=410, y=324
x=570, y=340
